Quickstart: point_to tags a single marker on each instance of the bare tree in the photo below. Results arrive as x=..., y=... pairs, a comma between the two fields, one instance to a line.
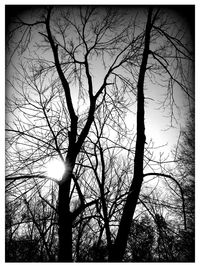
x=155, y=26
x=51, y=126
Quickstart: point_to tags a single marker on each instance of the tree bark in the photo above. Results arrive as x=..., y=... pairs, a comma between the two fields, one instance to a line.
x=64, y=213
x=64, y=222
x=119, y=246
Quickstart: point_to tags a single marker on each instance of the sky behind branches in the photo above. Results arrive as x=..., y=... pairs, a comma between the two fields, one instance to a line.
x=158, y=121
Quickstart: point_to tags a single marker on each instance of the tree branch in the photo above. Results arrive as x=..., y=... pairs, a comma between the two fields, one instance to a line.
x=64, y=82
x=30, y=176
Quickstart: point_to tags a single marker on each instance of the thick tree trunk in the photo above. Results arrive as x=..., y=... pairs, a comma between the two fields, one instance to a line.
x=64, y=222
x=134, y=191
x=64, y=214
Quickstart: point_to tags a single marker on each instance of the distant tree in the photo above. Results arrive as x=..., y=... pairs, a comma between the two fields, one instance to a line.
x=33, y=226
x=23, y=250
x=141, y=240
x=185, y=155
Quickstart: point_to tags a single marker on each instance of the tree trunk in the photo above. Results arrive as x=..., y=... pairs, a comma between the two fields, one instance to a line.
x=64, y=222
x=119, y=246
x=64, y=214
x=107, y=227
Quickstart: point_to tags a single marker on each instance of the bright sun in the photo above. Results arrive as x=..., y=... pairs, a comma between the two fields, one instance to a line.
x=55, y=169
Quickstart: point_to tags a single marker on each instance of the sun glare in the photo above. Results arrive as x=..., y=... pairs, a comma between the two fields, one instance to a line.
x=55, y=169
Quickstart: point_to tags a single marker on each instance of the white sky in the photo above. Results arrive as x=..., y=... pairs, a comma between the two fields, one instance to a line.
x=154, y=120
x=156, y=123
